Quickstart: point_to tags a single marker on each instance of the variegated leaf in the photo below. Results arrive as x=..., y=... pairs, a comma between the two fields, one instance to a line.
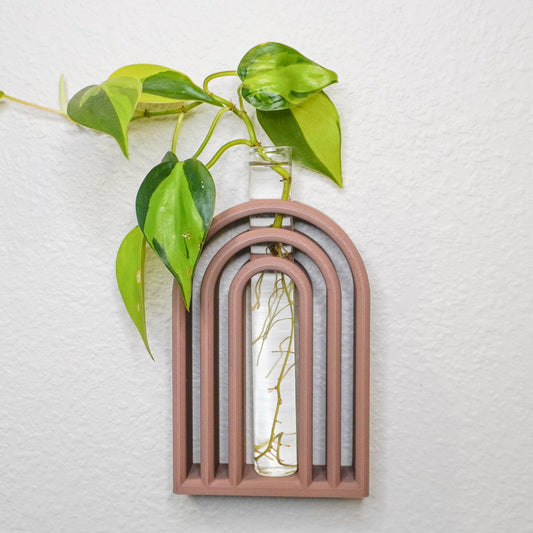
x=275, y=76
x=107, y=107
x=163, y=87
x=175, y=206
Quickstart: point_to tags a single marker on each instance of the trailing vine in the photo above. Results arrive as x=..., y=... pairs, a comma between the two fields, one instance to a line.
x=176, y=200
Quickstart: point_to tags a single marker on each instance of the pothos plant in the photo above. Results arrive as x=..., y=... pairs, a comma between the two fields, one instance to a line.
x=176, y=200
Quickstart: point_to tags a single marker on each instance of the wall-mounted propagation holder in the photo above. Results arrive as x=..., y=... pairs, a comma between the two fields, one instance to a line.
x=210, y=358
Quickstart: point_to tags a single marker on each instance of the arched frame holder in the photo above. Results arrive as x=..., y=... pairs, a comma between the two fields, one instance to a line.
x=236, y=477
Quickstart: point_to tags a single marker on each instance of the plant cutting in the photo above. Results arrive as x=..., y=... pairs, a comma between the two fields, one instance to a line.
x=175, y=202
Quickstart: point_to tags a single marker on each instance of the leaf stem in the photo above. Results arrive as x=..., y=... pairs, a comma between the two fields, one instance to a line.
x=36, y=106
x=241, y=113
x=241, y=101
x=218, y=75
x=225, y=147
x=285, y=193
x=249, y=126
x=179, y=122
x=287, y=182
x=181, y=109
x=210, y=132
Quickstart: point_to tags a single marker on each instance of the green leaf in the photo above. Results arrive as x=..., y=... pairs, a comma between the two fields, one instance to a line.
x=130, y=279
x=172, y=84
x=107, y=107
x=175, y=206
x=162, y=85
x=2, y=94
x=313, y=131
x=276, y=77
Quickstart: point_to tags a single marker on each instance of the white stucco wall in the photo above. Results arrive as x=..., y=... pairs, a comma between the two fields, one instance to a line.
x=435, y=100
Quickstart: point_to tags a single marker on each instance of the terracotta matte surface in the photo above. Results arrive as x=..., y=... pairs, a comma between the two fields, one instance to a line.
x=237, y=477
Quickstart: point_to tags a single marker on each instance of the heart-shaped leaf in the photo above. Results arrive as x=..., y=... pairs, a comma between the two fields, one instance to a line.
x=130, y=279
x=162, y=85
x=313, y=131
x=107, y=107
x=175, y=206
x=276, y=76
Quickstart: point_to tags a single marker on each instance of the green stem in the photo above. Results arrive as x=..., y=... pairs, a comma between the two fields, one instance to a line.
x=176, y=131
x=241, y=101
x=210, y=132
x=218, y=75
x=285, y=194
x=176, y=111
x=225, y=147
x=249, y=126
x=287, y=182
x=241, y=113
x=36, y=106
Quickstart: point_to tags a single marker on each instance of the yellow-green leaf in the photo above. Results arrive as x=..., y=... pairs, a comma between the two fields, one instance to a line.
x=130, y=279
x=275, y=76
x=147, y=101
x=107, y=107
x=313, y=131
x=163, y=86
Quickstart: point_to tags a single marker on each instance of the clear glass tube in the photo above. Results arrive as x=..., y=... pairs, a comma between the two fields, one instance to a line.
x=273, y=331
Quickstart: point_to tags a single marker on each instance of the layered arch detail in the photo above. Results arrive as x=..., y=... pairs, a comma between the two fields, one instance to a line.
x=235, y=477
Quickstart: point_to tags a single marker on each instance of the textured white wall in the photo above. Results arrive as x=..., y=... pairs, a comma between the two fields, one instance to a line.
x=435, y=100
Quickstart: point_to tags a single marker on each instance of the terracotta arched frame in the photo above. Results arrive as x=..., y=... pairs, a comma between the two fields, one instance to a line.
x=236, y=477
